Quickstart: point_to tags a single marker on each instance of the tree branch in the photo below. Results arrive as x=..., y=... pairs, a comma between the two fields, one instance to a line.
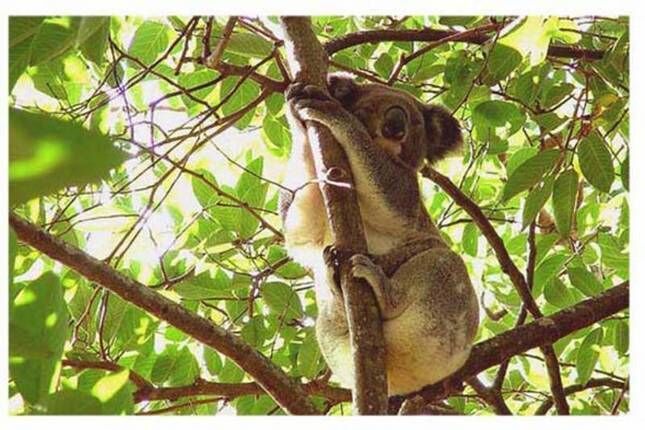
x=484, y=355
x=138, y=380
x=543, y=331
x=285, y=391
x=575, y=388
x=431, y=35
x=308, y=63
x=231, y=391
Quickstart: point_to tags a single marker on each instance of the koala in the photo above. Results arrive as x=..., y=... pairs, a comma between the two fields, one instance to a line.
x=426, y=300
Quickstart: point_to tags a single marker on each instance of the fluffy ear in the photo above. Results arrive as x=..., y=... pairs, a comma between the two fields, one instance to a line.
x=343, y=88
x=443, y=132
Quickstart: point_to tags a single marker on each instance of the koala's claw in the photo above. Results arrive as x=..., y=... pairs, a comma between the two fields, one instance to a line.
x=334, y=256
x=300, y=90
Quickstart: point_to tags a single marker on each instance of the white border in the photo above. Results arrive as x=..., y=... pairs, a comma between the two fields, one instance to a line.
x=362, y=7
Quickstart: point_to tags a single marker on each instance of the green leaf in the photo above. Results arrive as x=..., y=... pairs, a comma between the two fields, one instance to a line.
x=595, y=162
x=529, y=173
x=612, y=255
x=588, y=353
x=19, y=57
x=624, y=173
x=248, y=45
x=93, y=36
x=46, y=154
x=282, y=300
x=384, y=65
x=556, y=293
x=535, y=200
x=469, y=239
x=22, y=28
x=200, y=78
x=502, y=61
x=213, y=361
x=253, y=331
x=150, y=40
x=200, y=287
x=177, y=367
x=585, y=281
x=495, y=113
x=239, y=99
x=73, y=402
x=547, y=270
x=308, y=361
x=565, y=36
x=64, y=78
x=549, y=121
x=55, y=37
x=13, y=251
x=21, y=35
x=115, y=393
x=565, y=191
x=620, y=337
x=519, y=157
x=530, y=36
x=231, y=372
x=276, y=135
x=204, y=193
x=38, y=329
x=555, y=94
x=252, y=190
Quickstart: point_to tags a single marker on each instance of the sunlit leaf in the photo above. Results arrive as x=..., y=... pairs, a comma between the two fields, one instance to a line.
x=531, y=36
x=150, y=40
x=38, y=329
x=46, y=154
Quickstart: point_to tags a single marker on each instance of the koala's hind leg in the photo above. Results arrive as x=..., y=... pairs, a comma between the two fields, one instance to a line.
x=392, y=298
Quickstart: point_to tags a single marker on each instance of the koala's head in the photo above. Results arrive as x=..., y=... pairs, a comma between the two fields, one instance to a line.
x=398, y=122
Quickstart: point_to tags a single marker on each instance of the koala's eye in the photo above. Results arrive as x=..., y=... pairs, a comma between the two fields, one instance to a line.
x=394, y=124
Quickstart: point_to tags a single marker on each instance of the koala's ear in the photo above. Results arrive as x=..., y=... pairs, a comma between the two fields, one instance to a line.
x=443, y=132
x=343, y=88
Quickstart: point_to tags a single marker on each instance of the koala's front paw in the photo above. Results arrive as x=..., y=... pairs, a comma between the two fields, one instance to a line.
x=312, y=103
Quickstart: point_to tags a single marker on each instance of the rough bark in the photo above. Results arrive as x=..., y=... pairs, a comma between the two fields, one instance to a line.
x=308, y=63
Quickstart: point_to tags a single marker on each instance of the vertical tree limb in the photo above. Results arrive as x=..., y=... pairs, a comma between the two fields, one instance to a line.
x=308, y=63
